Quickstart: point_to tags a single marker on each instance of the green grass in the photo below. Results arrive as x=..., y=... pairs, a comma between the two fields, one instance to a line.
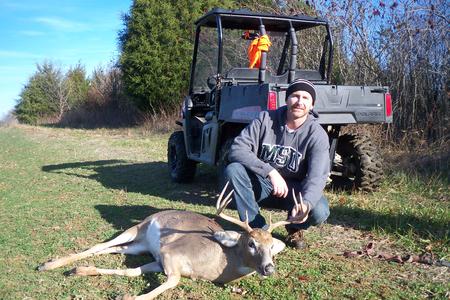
x=64, y=190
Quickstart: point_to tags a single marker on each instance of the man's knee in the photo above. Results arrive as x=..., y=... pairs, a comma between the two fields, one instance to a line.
x=320, y=212
x=235, y=171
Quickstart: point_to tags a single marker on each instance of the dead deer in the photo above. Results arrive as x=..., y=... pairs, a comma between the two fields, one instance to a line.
x=191, y=245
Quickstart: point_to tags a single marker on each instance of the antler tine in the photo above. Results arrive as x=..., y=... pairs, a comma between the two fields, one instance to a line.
x=296, y=220
x=272, y=226
x=246, y=221
x=303, y=215
x=221, y=204
x=277, y=224
x=219, y=200
x=295, y=198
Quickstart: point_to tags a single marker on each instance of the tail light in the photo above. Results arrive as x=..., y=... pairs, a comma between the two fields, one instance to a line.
x=272, y=101
x=388, y=104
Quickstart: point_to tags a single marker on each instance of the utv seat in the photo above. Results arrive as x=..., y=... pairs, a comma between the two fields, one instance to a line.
x=250, y=75
x=243, y=74
x=311, y=75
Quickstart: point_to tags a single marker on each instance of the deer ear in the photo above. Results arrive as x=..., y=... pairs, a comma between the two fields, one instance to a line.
x=278, y=246
x=227, y=238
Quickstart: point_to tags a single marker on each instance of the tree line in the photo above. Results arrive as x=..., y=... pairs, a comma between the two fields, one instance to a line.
x=402, y=44
x=74, y=98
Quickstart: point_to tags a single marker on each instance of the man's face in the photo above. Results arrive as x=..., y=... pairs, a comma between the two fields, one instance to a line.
x=299, y=104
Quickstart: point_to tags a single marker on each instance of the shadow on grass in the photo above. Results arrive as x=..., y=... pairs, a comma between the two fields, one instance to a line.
x=153, y=179
x=400, y=223
x=145, y=178
x=124, y=217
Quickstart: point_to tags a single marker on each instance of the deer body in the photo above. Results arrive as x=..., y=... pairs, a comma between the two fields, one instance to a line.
x=186, y=244
x=205, y=258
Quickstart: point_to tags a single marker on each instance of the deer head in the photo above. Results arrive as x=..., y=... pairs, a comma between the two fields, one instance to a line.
x=257, y=246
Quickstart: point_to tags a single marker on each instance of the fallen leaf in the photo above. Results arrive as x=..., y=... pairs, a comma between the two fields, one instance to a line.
x=396, y=258
x=370, y=249
x=238, y=290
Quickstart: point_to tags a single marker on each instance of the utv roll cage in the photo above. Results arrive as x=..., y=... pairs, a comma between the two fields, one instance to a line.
x=226, y=19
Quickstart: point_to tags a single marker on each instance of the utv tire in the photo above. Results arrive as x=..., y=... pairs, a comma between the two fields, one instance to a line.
x=358, y=164
x=181, y=168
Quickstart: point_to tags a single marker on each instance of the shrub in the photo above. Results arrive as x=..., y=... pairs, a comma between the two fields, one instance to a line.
x=50, y=93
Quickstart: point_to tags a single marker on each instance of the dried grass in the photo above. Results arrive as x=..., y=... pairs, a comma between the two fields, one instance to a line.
x=101, y=115
x=163, y=122
x=9, y=120
x=411, y=152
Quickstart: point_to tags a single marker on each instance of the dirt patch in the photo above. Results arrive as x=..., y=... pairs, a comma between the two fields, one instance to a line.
x=335, y=240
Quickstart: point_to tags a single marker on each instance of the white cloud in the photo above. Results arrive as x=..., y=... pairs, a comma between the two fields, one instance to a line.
x=18, y=54
x=20, y=6
x=36, y=6
x=62, y=24
x=31, y=33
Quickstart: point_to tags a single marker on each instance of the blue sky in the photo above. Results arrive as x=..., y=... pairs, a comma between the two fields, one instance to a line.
x=62, y=31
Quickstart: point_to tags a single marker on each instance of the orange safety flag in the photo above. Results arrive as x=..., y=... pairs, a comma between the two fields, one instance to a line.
x=256, y=47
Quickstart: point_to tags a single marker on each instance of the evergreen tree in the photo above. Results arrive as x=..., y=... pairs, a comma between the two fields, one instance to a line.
x=50, y=93
x=78, y=86
x=156, y=46
x=38, y=98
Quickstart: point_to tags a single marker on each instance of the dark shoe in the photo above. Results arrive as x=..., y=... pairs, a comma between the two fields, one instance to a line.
x=295, y=239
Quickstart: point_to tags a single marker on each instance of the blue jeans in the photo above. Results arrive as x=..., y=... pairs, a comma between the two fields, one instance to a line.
x=252, y=190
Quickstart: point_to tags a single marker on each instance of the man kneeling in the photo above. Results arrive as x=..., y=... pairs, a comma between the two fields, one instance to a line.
x=279, y=151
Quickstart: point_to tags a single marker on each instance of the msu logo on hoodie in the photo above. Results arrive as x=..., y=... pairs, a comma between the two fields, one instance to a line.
x=282, y=156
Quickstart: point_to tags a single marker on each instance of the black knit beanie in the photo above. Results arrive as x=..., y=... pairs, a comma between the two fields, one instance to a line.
x=301, y=85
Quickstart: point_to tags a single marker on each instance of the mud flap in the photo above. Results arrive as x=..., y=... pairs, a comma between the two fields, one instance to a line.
x=209, y=143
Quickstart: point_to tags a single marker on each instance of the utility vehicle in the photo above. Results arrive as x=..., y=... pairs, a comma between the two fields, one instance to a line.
x=225, y=94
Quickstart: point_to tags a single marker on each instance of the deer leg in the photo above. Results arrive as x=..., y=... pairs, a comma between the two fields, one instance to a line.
x=126, y=237
x=134, y=248
x=171, y=265
x=172, y=281
x=91, y=271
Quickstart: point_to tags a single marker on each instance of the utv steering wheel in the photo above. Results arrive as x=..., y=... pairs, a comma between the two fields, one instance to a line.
x=211, y=81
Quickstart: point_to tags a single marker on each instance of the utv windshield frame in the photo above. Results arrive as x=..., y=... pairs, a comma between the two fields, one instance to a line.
x=225, y=19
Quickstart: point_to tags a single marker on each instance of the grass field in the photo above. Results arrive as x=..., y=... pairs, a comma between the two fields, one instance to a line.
x=64, y=190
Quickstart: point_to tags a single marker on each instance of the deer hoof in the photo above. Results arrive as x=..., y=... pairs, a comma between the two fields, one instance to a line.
x=46, y=266
x=84, y=271
x=41, y=268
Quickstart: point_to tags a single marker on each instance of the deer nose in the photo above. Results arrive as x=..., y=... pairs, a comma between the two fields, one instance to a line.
x=269, y=269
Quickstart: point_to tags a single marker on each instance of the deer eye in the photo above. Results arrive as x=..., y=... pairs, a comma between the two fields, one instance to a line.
x=251, y=244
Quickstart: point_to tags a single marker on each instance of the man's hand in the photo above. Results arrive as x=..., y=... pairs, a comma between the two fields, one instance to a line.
x=280, y=188
x=300, y=210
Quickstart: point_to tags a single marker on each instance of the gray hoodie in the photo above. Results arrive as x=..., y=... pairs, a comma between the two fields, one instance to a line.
x=266, y=144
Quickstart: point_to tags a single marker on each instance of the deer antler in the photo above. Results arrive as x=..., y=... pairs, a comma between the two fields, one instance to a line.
x=220, y=206
x=298, y=218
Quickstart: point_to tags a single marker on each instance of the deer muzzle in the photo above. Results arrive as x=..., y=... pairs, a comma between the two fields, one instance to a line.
x=268, y=269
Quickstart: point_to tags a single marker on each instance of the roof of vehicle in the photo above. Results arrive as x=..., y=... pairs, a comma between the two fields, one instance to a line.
x=247, y=20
